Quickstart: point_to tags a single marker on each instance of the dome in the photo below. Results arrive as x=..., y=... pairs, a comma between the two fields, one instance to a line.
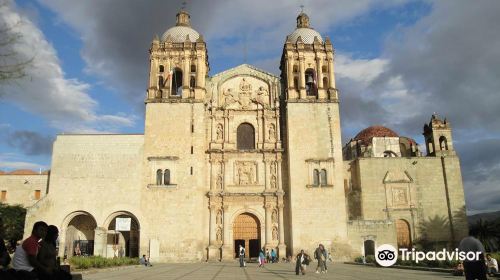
x=306, y=34
x=367, y=134
x=178, y=34
x=304, y=31
x=181, y=30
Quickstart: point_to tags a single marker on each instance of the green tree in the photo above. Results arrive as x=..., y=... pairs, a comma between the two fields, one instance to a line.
x=13, y=217
x=487, y=233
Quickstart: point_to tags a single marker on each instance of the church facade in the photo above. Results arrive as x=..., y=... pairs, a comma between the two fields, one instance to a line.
x=248, y=158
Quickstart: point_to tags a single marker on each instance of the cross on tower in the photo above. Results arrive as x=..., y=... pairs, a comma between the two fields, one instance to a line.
x=183, y=7
x=301, y=8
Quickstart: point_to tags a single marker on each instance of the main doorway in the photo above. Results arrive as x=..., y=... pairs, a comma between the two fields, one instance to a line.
x=246, y=232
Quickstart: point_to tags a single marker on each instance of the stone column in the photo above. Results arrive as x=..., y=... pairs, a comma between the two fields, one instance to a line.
x=290, y=72
x=227, y=250
x=281, y=245
x=302, y=78
x=100, y=242
x=213, y=250
x=199, y=72
x=269, y=225
x=319, y=73
x=266, y=175
x=330, y=73
x=185, y=77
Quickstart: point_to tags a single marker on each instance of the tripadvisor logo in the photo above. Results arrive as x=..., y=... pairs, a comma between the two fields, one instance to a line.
x=387, y=255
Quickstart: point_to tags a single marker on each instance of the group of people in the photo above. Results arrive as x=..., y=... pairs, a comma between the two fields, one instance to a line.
x=302, y=260
x=267, y=257
x=35, y=258
x=476, y=269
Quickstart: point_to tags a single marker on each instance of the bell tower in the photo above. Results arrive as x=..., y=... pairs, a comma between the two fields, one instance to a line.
x=179, y=63
x=438, y=138
x=312, y=139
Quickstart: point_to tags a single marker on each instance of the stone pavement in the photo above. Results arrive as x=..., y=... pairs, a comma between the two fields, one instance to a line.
x=231, y=270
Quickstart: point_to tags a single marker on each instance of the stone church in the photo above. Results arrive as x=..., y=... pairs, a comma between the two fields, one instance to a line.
x=248, y=158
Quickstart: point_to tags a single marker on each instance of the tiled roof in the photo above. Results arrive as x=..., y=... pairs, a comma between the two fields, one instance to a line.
x=367, y=134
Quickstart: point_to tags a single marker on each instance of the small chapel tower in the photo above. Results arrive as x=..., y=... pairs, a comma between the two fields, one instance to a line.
x=438, y=139
x=179, y=63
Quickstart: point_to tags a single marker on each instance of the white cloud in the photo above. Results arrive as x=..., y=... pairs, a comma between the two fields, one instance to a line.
x=64, y=103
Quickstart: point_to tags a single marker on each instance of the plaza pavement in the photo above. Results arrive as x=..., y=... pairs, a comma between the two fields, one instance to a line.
x=231, y=270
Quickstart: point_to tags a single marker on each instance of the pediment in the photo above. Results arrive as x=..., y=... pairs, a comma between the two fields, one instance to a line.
x=397, y=176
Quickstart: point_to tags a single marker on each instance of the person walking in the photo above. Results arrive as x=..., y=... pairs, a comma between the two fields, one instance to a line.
x=475, y=269
x=273, y=256
x=301, y=262
x=319, y=255
x=242, y=256
x=262, y=258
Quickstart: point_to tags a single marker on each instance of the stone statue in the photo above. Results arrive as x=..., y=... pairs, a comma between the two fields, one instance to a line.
x=274, y=216
x=219, y=218
x=272, y=133
x=220, y=132
x=275, y=233
x=218, y=235
x=273, y=168
x=262, y=96
x=219, y=182
x=273, y=182
x=228, y=97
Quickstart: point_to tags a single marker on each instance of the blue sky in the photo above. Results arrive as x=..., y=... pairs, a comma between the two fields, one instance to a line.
x=397, y=62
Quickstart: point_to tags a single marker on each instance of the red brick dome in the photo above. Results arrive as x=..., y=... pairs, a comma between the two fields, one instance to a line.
x=368, y=133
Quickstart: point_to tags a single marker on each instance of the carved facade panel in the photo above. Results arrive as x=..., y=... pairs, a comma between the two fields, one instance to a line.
x=244, y=92
x=245, y=173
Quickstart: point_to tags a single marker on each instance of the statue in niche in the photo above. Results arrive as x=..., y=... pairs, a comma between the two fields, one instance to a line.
x=219, y=182
x=218, y=235
x=273, y=168
x=272, y=133
x=220, y=132
x=273, y=182
x=274, y=216
x=275, y=233
x=219, y=218
x=400, y=196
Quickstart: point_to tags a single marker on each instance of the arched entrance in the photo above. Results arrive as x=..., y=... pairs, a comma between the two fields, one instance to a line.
x=80, y=233
x=403, y=234
x=123, y=236
x=246, y=232
x=369, y=248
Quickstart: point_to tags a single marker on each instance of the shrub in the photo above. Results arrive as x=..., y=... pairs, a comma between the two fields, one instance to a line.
x=100, y=262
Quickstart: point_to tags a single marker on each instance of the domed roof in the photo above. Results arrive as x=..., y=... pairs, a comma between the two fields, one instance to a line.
x=178, y=34
x=182, y=30
x=304, y=31
x=306, y=34
x=367, y=134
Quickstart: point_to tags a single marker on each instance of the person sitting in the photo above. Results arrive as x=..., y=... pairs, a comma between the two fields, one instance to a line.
x=25, y=260
x=491, y=265
x=145, y=261
x=459, y=270
x=47, y=256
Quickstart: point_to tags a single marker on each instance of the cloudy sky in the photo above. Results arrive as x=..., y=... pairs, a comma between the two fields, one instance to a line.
x=397, y=62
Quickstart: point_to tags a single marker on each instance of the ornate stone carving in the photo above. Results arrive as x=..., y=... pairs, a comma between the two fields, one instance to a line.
x=246, y=173
x=262, y=96
x=218, y=235
x=273, y=167
x=399, y=196
x=219, y=182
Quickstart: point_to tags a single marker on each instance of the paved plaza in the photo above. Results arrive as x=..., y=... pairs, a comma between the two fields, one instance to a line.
x=272, y=271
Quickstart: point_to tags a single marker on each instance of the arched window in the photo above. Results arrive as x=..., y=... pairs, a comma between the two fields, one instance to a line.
x=159, y=175
x=325, y=83
x=323, y=177
x=295, y=69
x=296, y=83
x=177, y=82
x=192, y=82
x=245, y=137
x=324, y=69
x=160, y=82
x=316, y=177
x=193, y=68
x=311, y=86
x=390, y=154
x=162, y=69
x=166, y=177
x=443, y=143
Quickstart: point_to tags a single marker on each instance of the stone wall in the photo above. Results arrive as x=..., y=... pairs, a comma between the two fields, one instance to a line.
x=20, y=189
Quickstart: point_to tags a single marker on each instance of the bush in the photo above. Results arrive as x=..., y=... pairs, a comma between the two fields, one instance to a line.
x=370, y=259
x=100, y=262
x=359, y=259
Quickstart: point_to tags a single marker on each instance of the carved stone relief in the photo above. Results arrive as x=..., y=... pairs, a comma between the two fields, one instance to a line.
x=272, y=133
x=246, y=173
x=220, y=132
x=274, y=216
x=275, y=233
x=244, y=95
x=219, y=217
x=399, y=196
